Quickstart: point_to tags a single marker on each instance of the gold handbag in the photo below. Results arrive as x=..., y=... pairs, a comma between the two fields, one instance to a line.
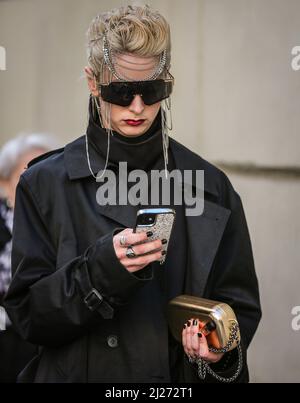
x=225, y=336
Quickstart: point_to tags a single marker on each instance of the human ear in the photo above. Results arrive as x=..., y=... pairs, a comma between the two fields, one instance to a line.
x=92, y=84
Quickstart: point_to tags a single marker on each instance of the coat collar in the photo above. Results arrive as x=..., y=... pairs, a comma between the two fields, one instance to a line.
x=75, y=158
x=77, y=166
x=204, y=232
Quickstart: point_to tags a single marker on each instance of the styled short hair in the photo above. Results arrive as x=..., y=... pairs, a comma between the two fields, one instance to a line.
x=16, y=148
x=131, y=29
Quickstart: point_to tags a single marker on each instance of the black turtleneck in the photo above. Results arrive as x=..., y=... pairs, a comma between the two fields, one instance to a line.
x=146, y=152
x=140, y=152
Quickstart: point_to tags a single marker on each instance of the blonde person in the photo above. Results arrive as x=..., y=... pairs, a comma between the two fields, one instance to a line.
x=14, y=157
x=86, y=288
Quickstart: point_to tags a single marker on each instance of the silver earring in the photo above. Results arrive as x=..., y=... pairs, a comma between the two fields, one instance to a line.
x=166, y=125
x=109, y=134
x=168, y=110
x=94, y=107
x=97, y=108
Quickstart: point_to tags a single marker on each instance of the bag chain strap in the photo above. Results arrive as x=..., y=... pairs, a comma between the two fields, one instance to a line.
x=204, y=368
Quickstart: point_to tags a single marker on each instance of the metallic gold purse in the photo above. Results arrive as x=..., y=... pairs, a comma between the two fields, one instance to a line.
x=225, y=334
x=185, y=307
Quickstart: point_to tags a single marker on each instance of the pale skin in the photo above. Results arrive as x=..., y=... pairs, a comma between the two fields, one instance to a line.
x=143, y=67
x=195, y=343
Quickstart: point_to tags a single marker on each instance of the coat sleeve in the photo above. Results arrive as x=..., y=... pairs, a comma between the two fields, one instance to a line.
x=233, y=280
x=51, y=305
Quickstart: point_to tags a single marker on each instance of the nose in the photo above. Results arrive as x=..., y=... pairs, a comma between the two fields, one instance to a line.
x=137, y=105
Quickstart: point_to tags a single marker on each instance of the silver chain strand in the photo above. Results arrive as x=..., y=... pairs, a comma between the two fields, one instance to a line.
x=88, y=156
x=109, y=133
x=204, y=368
x=108, y=61
x=165, y=137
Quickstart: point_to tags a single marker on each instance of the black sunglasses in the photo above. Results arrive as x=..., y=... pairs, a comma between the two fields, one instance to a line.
x=123, y=92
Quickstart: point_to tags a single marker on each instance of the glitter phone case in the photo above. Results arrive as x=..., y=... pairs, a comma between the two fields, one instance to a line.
x=159, y=221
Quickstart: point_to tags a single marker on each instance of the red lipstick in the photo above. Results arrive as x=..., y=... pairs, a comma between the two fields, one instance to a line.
x=131, y=122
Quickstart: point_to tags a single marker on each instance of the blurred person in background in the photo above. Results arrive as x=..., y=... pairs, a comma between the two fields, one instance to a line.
x=14, y=157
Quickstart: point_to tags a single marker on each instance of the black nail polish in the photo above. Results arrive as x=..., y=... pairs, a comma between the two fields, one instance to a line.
x=195, y=322
x=164, y=241
x=149, y=233
x=163, y=253
x=208, y=328
x=199, y=335
x=189, y=323
x=184, y=326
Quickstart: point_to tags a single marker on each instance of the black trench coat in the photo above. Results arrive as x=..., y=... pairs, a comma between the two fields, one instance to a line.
x=62, y=250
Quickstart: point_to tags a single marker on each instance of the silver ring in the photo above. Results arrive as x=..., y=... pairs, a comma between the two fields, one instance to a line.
x=122, y=240
x=130, y=252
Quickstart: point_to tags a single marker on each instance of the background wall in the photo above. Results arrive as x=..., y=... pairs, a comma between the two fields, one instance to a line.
x=236, y=103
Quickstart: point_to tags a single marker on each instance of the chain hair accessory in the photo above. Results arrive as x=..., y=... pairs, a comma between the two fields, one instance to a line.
x=166, y=114
x=96, y=105
x=166, y=125
x=108, y=56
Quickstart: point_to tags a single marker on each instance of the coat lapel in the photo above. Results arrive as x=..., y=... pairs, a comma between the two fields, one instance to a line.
x=77, y=168
x=124, y=215
x=121, y=214
x=204, y=231
x=204, y=236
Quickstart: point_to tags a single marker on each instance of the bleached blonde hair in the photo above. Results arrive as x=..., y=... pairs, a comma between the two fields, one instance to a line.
x=132, y=29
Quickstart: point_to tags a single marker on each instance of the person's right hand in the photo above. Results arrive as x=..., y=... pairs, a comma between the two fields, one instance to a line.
x=138, y=262
x=195, y=344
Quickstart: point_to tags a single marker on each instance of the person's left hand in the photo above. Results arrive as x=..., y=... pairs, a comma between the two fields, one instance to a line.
x=195, y=343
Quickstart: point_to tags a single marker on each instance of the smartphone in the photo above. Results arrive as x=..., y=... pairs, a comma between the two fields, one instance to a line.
x=160, y=221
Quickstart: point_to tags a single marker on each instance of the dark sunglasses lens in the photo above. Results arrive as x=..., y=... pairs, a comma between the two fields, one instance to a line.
x=117, y=93
x=155, y=91
x=122, y=93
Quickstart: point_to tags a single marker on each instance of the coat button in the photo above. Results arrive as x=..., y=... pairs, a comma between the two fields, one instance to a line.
x=112, y=341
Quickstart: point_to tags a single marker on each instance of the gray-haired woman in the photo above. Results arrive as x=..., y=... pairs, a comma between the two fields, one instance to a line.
x=14, y=157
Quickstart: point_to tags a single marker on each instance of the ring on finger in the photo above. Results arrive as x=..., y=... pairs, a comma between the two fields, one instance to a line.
x=130, y=253
x=122, y=240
